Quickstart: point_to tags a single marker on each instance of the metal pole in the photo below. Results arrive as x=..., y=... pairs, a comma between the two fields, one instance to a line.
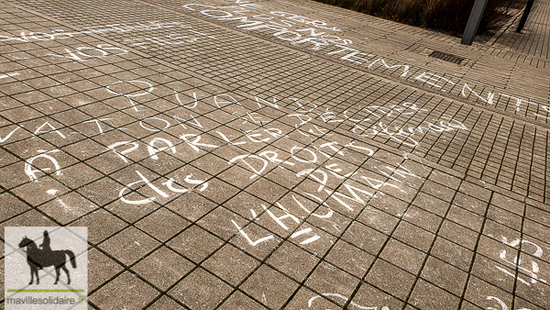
x=523, y=19
x=473, y=22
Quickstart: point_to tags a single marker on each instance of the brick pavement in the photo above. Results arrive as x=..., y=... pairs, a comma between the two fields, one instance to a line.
x=276, y=161
x=534, y=39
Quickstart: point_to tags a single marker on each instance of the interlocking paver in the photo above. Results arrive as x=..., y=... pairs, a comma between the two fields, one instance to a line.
x=131, y=292
x=200, y=290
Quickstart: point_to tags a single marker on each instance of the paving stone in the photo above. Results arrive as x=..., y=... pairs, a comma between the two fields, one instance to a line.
x=411, y=261
x=200, y=290
x=427, y=296
x=241, y=302
x=131, y=292
x=163, y=268
x=195, y=243
x=11, y=206
x=166, y=303
x=431, y=204
x=399, y=284
x=269, y=287
x=483, y=294
x=308, y=298
x=191, y=206
x=452, y=253
x=101, y=225
x=103, y=271
x=293, y=261
x=365, y=238
x=172, y=224
x=326, y=278
x=230, y=264
x=459, y=234
x=378, y=220
x=444, y=275
x=129, y=245
x=369, y=296
x=68, y=207
x=350, y=258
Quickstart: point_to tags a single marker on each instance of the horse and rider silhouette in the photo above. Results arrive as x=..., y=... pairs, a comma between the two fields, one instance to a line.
x=39, y=258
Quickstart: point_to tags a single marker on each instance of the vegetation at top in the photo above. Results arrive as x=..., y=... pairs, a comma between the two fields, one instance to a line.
x=444, y=15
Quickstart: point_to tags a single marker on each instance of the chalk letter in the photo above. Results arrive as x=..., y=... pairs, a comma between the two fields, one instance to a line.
x=153, y=150
x=113, y=146
x=245, y=235
x=39, y=130
x=32, y=172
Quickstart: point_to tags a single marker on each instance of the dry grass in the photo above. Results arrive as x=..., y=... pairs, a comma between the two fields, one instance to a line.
x=445, y=15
